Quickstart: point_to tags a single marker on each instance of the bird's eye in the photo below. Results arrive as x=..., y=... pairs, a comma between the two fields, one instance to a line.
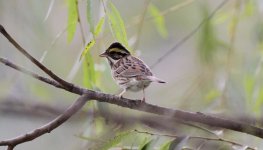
x=117, y=55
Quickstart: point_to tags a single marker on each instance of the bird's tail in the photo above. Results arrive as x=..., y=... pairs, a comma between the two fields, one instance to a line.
x=154, y=79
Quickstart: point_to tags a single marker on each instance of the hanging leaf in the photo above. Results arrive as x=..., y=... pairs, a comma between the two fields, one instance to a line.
x=259, y=102
x=116, y=140
x=89, y=75
x=158, y=20
x=143, y=143
x=208, y=43
x=92, y=139
x=165, y=146
x=149, y=145
x=249, y=84
x=99, y=26
x=250, y=7
x=117, y=25
x=89, y=16
x=87, y=48
x=72, y=19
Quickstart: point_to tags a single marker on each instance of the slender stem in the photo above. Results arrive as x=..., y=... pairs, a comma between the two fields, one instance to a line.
x=80, y=24
x=189, y=35
x=139, y=31
x=197, y=137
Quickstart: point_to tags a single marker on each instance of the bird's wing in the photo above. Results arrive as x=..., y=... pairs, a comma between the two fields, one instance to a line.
x=132, y=67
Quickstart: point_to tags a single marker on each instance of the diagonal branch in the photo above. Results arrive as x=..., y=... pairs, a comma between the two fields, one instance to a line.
x=79, y=103
x=33, y=60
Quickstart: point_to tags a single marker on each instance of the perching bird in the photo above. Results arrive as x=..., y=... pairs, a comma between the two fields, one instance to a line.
x=129, y=72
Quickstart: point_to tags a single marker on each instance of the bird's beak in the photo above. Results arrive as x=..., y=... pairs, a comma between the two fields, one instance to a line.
x=103, y=54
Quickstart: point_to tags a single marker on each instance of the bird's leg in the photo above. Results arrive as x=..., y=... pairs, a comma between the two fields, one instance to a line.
x=143, y=98
x=122, y=92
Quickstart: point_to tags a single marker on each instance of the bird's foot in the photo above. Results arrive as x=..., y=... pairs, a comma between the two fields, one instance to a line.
x=120, y=96
x=143, y=100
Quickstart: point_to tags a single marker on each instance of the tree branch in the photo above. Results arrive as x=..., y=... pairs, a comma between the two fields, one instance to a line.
x=79, y=103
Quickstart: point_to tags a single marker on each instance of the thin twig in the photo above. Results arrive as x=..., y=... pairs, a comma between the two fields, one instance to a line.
x=35, y=61
x=49, y=9
x=163, y=13
x=74, y=89
x=139, y=31
x=189, y=35
x=197, y=137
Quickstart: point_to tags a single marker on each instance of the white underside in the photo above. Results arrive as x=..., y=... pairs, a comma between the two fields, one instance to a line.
x=135, y=86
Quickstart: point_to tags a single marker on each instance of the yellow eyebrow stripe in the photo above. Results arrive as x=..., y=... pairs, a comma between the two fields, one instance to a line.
x=116, y=50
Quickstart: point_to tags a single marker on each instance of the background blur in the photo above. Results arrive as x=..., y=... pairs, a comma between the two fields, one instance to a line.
x=218, y=70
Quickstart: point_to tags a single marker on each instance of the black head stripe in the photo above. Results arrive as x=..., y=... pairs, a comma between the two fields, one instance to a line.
x=117, y=55
x=118, y=45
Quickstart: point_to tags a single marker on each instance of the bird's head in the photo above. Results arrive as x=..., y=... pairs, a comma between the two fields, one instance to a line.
x=115, y=52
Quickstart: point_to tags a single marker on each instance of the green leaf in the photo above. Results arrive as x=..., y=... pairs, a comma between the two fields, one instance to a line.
x=90, y=16
x=72, y=19
x=221, y=17
x=143, y=143
x=250, y=7
x=87, y=48
x=165, y=146
x=149, y=145
x=99, y=27
x=158, y=20
x=97, y=140
x=208, y=43
x=249, y=83
x=89, y=74
x=116, y=140
x=117, y=25
x=178, y=143
x=212, y=95
x=258, y=103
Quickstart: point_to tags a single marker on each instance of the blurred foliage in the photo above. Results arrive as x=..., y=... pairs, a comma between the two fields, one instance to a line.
x=158, y=20
x=72, y=19
x=117, y=25
x=208, y=42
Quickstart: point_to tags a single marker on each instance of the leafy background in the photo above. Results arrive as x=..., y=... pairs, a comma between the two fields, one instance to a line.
x=217, y=71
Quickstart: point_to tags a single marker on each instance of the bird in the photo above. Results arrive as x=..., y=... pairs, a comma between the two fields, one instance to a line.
x=130, y=72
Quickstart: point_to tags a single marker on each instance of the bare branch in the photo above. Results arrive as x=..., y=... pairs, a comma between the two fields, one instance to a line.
x=77, y=105
x=73, y=89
